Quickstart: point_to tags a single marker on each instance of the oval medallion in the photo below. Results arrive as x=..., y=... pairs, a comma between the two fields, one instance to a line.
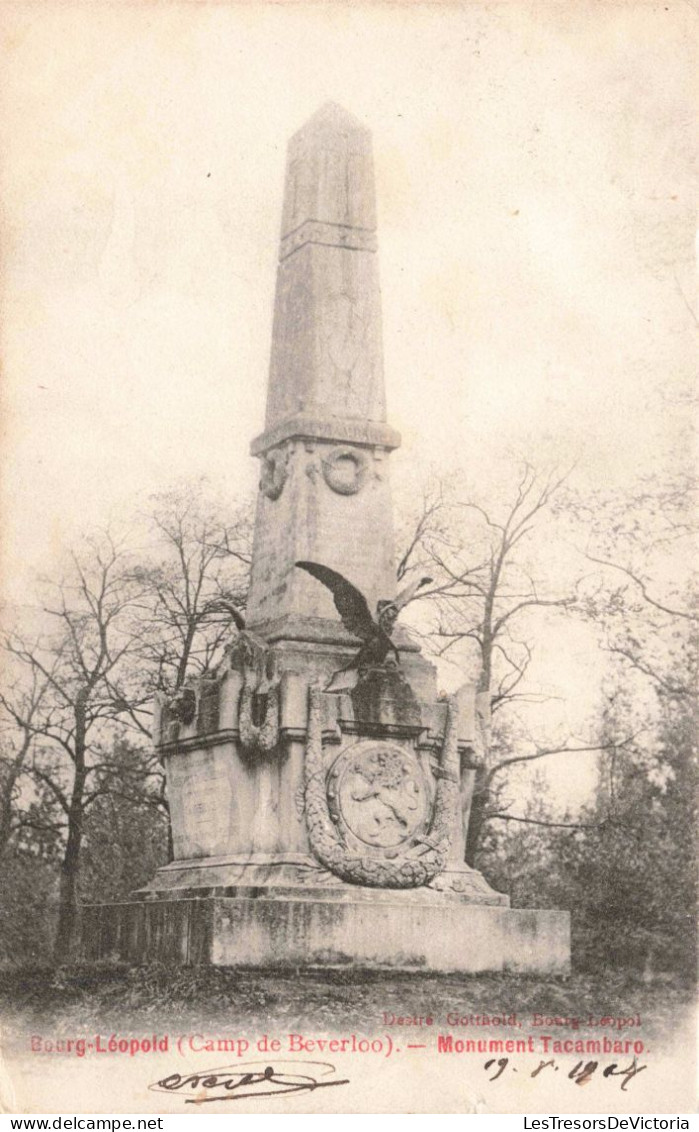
x=377, y=793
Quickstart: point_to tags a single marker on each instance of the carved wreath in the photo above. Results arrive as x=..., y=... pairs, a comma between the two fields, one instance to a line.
x=425, y=858
x=274, y=472
x=182, y=707
x=258, y=736
x=341, y=461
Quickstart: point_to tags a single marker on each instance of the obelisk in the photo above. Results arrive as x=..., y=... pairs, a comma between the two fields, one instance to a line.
x=324, y=489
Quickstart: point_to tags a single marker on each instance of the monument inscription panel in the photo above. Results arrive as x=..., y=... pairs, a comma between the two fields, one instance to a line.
x=200, y=795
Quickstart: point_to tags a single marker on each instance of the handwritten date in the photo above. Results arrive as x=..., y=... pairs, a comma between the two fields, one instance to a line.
x=580, y=1073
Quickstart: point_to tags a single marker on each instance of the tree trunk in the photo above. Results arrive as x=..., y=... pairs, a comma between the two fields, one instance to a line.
x=483, y=739
x=476, y=817
x=67, y=903
x=6, y=813
x=68, y=890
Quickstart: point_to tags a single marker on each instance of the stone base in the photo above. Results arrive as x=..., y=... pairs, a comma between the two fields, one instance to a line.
x=330, y=929
x=297, y=876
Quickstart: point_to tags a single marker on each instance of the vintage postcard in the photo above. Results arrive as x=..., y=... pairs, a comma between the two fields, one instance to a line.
x=349, y=615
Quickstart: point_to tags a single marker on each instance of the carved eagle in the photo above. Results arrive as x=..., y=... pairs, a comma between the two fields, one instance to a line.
x=374, y=631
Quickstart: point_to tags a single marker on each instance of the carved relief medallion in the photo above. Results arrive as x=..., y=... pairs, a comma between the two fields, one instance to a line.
x=345, y=469
x=377, y=794
x=368, y=818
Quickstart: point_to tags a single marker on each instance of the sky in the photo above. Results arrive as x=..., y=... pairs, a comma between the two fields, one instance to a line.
x=535, y=207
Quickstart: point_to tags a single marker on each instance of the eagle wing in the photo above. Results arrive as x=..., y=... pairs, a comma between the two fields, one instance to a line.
x=223, y=606
x=388, y=610
x=349, y=602
x=408, y=593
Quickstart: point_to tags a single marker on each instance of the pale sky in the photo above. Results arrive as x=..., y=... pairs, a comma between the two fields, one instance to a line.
x=536, y=214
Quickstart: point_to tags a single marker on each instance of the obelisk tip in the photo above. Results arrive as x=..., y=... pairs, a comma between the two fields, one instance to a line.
x=329, y=180
x=331, y=116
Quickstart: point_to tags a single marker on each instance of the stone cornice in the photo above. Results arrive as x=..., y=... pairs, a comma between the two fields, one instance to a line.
x=314, y=631
x=337, y=430
x=424, y=740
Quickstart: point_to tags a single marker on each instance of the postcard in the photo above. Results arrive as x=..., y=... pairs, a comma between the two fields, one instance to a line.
x=349, y=614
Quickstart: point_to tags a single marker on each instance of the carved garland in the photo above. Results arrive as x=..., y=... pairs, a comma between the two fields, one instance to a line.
x=426, y=857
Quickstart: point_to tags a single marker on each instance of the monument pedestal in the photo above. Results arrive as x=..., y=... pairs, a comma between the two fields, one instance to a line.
x=322, y=829
x=286, y=928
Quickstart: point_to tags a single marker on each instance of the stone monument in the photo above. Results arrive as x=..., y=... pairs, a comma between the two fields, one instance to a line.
x=320, y=806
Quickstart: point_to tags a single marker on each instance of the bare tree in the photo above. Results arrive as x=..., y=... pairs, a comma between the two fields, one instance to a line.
x=76, y=718
x=78, y=689
x=20, y=707
x=643, y=591
x=485, y=587
x=197, y=556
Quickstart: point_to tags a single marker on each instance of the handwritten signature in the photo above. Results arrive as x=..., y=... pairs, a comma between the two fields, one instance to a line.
x=251, y=1079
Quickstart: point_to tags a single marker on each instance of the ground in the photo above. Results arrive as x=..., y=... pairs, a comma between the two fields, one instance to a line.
x=321, y=1001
